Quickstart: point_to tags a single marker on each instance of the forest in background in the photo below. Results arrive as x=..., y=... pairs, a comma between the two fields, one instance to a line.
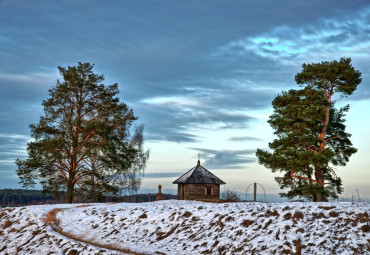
x=21, y=197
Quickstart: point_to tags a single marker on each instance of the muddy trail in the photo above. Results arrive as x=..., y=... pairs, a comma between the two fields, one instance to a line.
x=52, y=220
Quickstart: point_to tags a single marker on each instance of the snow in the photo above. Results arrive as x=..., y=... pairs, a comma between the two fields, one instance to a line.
x=188, y=227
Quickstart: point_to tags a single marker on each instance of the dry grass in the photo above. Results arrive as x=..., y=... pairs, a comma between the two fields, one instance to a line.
x=80, y=206
x=3, y=248
x=187, y=214
x=333, y=214
x=286, y=208
x=298, y=246
x=162, y=235
x=194, y=219
x=3, y=213
x=298, y=215
x=272, y=213
x=318, y=215
x=327, y=207
x=247, y=223
x=363, y=217
x=287, y=216
x=143, y=216
x=7, y=224
x=365, y=228
x=267, y=224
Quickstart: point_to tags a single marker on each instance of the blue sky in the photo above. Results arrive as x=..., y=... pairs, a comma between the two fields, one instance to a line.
x=200, y=75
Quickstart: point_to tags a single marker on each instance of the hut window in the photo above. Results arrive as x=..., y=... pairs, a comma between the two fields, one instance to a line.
x=209, y=191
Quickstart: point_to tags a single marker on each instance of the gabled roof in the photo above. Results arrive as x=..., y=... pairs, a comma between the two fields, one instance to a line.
x=199, y=174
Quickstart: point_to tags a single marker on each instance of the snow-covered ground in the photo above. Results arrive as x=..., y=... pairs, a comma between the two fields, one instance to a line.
x=184, y=227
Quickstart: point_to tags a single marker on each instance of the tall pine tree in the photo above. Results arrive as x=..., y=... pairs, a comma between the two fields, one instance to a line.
x=83, y=144
x=311, y=136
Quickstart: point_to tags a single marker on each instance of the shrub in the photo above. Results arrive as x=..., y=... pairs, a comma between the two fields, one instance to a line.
x=230, y=196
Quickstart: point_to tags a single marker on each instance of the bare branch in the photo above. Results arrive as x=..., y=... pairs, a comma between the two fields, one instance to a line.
x=304, y=178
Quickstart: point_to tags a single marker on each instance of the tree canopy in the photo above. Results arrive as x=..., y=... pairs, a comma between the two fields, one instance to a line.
x=310, y=130
x=85, y=142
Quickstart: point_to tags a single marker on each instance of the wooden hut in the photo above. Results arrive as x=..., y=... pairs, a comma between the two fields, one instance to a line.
x=199, y=184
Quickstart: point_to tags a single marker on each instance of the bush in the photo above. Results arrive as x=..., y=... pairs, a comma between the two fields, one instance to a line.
x=230, y=196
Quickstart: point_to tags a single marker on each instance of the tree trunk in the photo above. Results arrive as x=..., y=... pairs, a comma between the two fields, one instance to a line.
x=323, y=130
x=319, y=171
x=70, y=192
x=319, y=176
x=318, y=197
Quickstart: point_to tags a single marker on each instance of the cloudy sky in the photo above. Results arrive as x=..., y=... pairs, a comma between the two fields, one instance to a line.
x=200, y=75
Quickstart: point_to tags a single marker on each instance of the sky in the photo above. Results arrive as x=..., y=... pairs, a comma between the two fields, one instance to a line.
x=200, y=75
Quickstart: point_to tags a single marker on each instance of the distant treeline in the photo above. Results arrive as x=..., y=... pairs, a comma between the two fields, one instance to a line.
x=21, y=197
x=141, y=198
x=18, y=197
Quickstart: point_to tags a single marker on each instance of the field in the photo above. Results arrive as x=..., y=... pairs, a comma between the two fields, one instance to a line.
x=180, y=227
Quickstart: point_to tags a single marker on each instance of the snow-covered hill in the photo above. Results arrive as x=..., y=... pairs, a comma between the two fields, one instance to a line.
x=179, y=227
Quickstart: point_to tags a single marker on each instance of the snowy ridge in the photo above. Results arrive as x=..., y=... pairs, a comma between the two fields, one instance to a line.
x=184, y=227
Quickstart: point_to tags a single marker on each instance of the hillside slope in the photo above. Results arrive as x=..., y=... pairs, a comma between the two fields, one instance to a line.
x=179, y=227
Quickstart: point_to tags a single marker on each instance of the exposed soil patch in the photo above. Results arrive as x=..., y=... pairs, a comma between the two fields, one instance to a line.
x=287, y=216
x=363, y=217
x=333, y=214
x=7, y=224
x=2, y=214
x=318, y=215
x=267, y=224
x=298, y=215
x=72, y=252
x=272, y=213
x=326, y=207
x=365, y=228
x=143, y=216
x=298, y=246
x=161, y=235
x=187, y=214
x=247, y=223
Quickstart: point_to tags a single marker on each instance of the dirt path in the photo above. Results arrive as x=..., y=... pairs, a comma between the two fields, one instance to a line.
x=52, y=221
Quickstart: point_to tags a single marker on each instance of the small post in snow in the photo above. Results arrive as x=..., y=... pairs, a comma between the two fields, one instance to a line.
x=255, y=192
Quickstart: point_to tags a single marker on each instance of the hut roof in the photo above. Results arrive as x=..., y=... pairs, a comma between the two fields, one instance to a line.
x=199, y=174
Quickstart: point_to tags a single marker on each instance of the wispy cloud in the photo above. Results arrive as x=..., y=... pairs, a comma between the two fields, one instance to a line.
x=156, y=175
x=34, y=78
x=226, y=159
x=12, y=146
x=348, y=35
x=176, y=122
x=244, y=138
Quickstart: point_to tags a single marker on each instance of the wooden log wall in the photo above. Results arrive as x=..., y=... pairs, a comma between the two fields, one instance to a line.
x=199, y=192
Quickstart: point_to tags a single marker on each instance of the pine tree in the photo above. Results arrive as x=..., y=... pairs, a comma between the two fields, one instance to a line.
x=82, y=143
x=311, y=131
